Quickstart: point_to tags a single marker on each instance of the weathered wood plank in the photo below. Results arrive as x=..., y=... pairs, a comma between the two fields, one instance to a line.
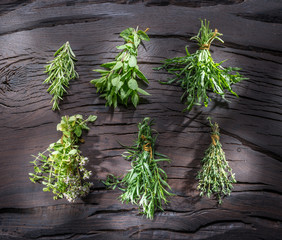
x=30, y=32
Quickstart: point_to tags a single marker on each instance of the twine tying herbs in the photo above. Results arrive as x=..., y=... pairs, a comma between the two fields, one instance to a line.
x=207, y=46
x=147, y=147
x=214, y=138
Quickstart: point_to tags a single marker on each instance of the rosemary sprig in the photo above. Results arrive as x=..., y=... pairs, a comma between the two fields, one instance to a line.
x=216, y=176
x=63, y=170
x=145, y=184
x=61, y=71
x=118, y=82
x=197, y=73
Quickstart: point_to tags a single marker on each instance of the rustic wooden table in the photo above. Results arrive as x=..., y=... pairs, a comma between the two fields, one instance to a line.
x=251, y=125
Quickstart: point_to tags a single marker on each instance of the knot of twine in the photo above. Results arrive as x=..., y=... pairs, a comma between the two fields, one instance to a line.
x=147, y=147
x=207, y=46
x=214, y=138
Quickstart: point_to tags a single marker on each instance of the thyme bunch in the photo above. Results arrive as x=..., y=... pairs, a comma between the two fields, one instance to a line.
x=118, y=81
x=197, y=73
x=60, y=71
x=63, y=170
x=216, y=175
x=145, y=184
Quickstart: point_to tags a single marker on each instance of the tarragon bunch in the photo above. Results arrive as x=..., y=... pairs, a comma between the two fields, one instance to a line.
x=60, y=71
x=118, y=81
x=197, y=73
x=216, y=176
x=145, y=184
x=63, y=170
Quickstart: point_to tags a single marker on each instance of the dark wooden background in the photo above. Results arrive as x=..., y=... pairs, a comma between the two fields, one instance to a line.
x=251, y=126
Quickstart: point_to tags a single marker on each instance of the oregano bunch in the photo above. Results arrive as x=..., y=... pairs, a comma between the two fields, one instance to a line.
x=60, y=71
x=145, y=183
x=197, y=73
x=63, y=170
x=119, y=79
x=216, y=175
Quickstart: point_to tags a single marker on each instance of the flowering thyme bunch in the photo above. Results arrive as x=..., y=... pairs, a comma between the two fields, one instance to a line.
x=119, y=82
x=63, y=171
x=216, y=176
x=145, y=184
x=197, y=73
x=60, y=71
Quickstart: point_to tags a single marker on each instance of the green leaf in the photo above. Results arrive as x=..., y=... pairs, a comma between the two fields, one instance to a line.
x=141, y=75
x=101, y=71
x=73, y=151
x=72, y=118
x=140, y=90
x=91, y=118
x=115, y=81
x=59, y=127
x=78, y=131
x=143, y=35
x=126, y=33
x=132, y=84
x=117, y=66
x=132, y=61
x=135, y=99
x=121, y=47
x=59, y=50
x=108, y=64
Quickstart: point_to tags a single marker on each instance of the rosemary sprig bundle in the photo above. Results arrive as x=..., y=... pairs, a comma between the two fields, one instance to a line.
x=61, y=71
x=63, y=171
x=216, y=176
x=197, y=73
x=118, y=82
x=145, y=184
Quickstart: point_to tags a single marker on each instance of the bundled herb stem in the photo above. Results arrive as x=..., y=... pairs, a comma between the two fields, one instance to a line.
x=118, y=81
x=63, y=170
x=61, y=71
x=216, y=176
x=198, y=74
x=145, y=184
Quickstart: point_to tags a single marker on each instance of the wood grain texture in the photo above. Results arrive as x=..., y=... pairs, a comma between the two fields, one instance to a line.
x=251, y=125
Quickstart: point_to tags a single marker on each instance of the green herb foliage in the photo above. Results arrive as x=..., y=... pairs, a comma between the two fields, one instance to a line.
x=118, y=82
x=145, y=184
x=216, y=176
x=60, y=71
x=197, y=73
x=63, y=170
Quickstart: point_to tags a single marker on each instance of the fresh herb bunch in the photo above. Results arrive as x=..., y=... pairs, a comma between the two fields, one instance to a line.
x=197, y=73
x=216, y=176
x=119, y=82
x=145, y=184
x=63, y=170
x=60, y=71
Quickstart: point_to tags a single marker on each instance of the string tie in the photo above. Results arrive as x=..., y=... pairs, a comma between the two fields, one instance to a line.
x=214, y=138
x=147, y=147
x=207, y=46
